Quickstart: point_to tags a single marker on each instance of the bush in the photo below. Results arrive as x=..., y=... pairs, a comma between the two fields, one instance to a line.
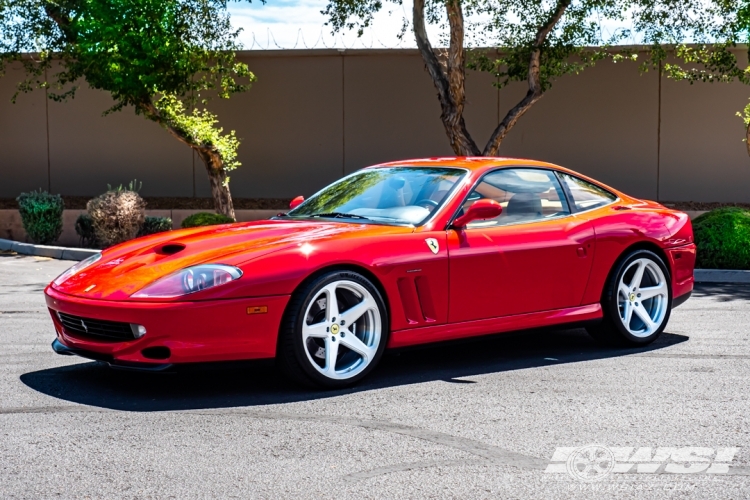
x=206, y=219
x=41, y=214
x=85, y=231
x=723, y=239
x=153, y=225
x=117, y=216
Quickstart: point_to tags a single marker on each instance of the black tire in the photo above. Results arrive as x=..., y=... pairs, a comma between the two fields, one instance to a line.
x=292, y=356
x=611, y=330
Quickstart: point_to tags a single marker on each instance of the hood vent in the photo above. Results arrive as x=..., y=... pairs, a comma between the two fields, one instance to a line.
x=171, y=248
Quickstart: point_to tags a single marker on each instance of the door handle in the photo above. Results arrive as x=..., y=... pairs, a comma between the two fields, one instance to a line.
x=581, y=251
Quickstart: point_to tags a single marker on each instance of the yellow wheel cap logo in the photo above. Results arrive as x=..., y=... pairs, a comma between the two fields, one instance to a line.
x=433, y=244
x=632, y=297
x=334, y=328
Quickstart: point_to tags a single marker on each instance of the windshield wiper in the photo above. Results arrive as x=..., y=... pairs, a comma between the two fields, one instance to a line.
x=340, y=215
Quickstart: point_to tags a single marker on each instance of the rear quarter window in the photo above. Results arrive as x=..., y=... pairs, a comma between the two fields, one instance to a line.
x=586, y=196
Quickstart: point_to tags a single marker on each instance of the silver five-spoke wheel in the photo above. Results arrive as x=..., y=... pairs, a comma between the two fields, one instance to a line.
x=342, y=329
x=335, y=330
x=643, y=297
x=636, y=301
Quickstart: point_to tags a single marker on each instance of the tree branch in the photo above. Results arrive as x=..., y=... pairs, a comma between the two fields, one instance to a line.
x=209, y=154
x=535, y=91
x=450, y=87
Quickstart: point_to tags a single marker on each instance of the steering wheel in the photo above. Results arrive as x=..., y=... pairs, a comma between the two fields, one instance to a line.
x=428, y=202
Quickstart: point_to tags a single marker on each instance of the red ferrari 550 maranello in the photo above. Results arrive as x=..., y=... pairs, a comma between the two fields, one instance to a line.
x=393, y=255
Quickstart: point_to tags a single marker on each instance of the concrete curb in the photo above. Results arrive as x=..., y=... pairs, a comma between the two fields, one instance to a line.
x=61, y=253
x=721, y=276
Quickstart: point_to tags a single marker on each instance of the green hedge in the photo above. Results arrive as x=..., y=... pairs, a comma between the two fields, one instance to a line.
x=153, y=225
x=41, y=214
x=723, y=239
x=206, y=219
x=85, y=231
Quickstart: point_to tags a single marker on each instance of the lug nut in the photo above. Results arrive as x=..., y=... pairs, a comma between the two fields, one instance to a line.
x=333, y=339
x=343, y=334
x=343, y=322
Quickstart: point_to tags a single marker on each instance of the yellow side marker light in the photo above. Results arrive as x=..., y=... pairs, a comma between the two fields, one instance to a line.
x=257, y=310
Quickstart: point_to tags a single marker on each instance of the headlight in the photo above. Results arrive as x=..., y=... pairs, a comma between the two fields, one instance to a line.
x=77, y=268
x=189, y=280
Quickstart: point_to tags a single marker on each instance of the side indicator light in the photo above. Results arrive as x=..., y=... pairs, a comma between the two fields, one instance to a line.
x=257, y=310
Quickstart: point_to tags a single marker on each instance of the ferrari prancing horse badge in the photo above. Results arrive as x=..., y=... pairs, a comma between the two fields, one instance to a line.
x=433, y=244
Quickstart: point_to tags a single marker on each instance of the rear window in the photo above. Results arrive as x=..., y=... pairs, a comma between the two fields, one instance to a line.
x=586, y=196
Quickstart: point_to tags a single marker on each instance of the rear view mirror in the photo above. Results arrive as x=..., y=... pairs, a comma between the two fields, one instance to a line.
x=479, y=210
x=296, y=202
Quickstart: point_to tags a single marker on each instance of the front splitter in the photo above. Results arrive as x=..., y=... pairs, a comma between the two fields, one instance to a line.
x=64, y=350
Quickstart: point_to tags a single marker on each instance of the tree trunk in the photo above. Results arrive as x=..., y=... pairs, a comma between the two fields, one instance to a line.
x=747, y=139
x=450, y=87
x=217, y=176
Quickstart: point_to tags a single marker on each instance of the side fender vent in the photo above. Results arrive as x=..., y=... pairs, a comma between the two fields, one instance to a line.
x=416, y=299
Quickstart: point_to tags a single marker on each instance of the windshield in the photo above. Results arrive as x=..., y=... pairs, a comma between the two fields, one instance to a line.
x=395, y=195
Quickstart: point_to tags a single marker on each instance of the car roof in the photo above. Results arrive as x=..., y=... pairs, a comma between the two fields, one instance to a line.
x=467, y=162
x=480, y=163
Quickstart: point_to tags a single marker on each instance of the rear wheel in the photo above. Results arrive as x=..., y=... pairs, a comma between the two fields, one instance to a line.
x=334, y=332
x=636, y=302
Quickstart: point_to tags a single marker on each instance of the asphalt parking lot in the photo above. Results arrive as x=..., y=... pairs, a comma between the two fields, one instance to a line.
x=473, y=420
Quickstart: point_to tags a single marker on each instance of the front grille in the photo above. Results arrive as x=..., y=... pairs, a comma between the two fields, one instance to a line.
x=96, y=328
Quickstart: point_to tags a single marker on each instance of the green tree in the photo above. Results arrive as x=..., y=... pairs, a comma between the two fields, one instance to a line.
x=162, y=57
x=714, y=30
x=535, y=42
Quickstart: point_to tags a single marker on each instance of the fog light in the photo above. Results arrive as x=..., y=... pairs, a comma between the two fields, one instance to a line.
x=138, y=330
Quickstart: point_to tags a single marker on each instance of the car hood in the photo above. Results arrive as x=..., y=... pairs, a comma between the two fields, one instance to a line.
x=126, y=268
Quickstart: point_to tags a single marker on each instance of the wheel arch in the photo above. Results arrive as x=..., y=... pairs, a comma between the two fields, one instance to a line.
x=343, y=267
x=641, y=245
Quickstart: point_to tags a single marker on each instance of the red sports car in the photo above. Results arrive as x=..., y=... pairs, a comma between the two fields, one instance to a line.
x=393, y=255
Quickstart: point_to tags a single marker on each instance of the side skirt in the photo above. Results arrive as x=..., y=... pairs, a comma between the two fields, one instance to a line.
x=438, y=333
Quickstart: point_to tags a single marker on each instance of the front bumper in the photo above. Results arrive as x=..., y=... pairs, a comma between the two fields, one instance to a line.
x=193, y=332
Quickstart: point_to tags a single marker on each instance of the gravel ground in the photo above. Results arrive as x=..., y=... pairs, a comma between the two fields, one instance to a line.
x=472, y=420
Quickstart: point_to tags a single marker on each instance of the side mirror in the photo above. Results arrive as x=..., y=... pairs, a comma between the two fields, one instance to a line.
x=296, y=202
x=479, y=210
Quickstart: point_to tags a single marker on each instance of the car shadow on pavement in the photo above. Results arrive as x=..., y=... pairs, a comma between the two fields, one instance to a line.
x=249, y=384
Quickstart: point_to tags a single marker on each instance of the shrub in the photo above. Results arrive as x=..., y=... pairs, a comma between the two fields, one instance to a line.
x=206, y=219
x=85, y=231
x=41, y=214
x=153, y=225
x=117, y=216
x=723, y=239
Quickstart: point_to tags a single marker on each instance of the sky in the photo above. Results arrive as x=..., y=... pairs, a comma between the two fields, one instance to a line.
x=290, y=24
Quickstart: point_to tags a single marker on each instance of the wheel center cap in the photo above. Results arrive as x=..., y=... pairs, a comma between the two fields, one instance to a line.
x=632, y=297
x=335, y=328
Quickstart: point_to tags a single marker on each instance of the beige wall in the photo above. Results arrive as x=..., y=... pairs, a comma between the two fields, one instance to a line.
x=318, y=114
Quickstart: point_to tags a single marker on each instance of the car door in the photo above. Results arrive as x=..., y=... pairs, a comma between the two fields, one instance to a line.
x=535, y=256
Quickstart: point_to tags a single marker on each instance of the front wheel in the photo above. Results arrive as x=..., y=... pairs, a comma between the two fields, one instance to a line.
x=334, y=332
x=637, y=301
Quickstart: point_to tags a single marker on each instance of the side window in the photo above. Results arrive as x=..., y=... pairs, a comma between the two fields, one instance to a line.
x=526, y=195
x=586, y=196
